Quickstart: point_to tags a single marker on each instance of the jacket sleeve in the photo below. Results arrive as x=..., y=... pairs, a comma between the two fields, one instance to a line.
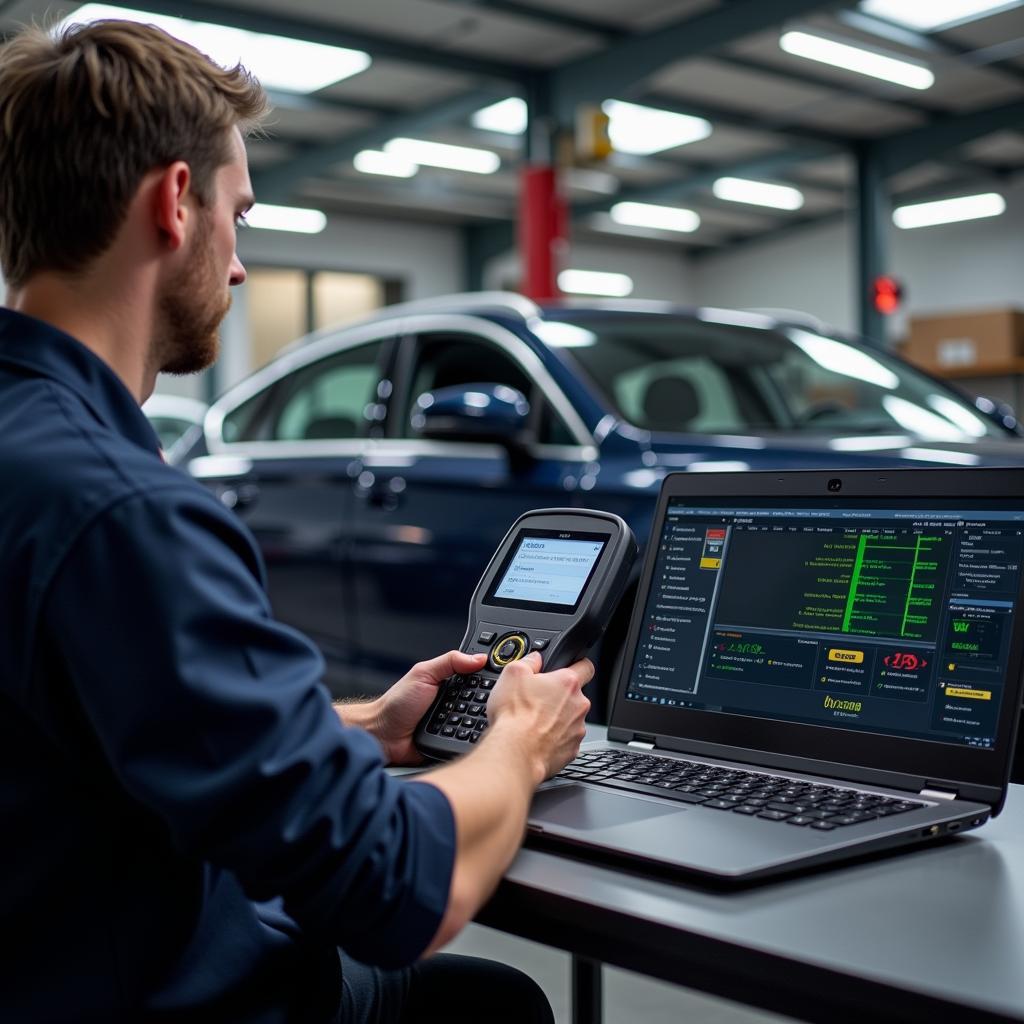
x=211, y=715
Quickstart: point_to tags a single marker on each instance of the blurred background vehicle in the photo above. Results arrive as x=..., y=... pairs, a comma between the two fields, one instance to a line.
x=177, y=421
x=380, y=465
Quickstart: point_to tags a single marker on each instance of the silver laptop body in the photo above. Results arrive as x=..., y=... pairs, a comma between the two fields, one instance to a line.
x=818, y=666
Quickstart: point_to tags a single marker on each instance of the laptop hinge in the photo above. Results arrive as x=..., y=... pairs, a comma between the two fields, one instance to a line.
x=642, y=742
x=938, y=794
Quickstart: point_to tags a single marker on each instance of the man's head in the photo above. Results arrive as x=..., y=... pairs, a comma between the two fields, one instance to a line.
x=90, y=115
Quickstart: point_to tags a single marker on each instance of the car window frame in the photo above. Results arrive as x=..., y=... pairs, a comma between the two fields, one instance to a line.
x=302, y=354
x=520, y=353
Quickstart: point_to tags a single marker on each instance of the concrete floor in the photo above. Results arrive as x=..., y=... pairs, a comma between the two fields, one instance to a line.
x=627, y=997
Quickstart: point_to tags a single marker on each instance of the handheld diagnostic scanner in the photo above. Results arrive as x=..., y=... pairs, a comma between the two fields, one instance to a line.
x=552, y=586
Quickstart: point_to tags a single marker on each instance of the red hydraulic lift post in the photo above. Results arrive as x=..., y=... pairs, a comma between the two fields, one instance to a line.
x=542, y=209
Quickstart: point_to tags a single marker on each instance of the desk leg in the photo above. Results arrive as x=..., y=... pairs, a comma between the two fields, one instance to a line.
x=586, y=991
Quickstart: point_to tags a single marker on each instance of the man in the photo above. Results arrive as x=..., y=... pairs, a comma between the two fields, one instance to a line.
x=190, y=831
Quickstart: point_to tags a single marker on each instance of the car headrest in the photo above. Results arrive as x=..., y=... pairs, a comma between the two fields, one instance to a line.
x=670, y=403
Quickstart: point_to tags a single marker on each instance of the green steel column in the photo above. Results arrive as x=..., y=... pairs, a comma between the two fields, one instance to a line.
x=873, y=212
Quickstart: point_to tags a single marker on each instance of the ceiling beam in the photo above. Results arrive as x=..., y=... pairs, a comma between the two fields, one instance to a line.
x=332, y=35
x=619, y=67
x=546, y=15
x=945, y=135
x=278, y=182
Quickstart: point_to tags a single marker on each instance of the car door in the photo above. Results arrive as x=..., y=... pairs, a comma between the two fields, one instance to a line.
x=285, y=457
x=429, y=514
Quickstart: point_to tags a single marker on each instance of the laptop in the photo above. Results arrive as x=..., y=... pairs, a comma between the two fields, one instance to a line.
x=818, y=666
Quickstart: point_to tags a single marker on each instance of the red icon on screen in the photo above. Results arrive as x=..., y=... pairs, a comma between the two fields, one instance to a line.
x=904, y=660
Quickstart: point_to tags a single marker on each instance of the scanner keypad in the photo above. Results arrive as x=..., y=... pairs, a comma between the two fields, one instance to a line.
x=461, y=714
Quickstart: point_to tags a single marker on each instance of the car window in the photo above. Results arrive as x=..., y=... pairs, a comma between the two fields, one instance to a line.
x=687, y=374
x=331, y=399
x=445, y=359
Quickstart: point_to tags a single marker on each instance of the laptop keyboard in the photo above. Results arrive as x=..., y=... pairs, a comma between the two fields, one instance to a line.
x=753, y=794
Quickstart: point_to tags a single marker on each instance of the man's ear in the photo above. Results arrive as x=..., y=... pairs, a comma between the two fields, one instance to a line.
x=173, y=211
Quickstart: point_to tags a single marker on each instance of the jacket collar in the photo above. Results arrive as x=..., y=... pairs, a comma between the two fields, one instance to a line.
x=41, y=349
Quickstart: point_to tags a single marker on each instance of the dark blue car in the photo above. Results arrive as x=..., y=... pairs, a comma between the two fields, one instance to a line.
x=379, y=465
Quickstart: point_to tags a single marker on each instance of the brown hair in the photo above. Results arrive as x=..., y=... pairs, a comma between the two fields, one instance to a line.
x=85, y=114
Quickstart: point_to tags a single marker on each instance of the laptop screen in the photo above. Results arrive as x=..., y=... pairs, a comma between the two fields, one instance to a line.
x=876, y=619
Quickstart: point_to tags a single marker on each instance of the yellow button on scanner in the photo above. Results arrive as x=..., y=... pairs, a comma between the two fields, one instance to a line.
x=850, y=657
x=509, y=648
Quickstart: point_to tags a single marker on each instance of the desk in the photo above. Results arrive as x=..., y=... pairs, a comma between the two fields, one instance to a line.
x=930, y=934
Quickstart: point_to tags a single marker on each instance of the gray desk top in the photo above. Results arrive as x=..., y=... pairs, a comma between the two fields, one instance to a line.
x=937, y=927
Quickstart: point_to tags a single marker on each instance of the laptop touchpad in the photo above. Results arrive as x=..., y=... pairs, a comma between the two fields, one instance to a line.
x=584, y=808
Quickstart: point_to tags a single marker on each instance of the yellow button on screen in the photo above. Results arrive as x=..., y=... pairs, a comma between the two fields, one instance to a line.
x=710, y=563
x=850, y=657
x=960, y=691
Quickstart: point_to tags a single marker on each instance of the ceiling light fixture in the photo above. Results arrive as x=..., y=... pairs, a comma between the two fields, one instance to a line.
x=858, y=59
x=440, y=154
x=506, y=116
x=286, y=218
x=633, y=128
x=758, y=193
x=662, y=218
x=935, y=15
x=595, y=282
x=373, y=161
x=949, y=211
x=279, y=62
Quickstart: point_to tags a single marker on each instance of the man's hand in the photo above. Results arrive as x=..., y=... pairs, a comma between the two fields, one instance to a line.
x=549, y=708
x=392, y=718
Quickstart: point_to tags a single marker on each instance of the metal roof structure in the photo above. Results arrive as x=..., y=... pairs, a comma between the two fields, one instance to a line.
x=774, y=116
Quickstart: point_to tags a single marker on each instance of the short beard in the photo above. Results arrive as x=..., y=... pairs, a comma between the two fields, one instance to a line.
x=191, y=310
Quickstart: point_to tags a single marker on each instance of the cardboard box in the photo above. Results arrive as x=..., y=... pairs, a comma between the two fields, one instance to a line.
x=956, y=343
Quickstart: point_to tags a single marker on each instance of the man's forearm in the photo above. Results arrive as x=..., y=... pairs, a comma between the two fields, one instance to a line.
x=360, y=713
x=490, y=819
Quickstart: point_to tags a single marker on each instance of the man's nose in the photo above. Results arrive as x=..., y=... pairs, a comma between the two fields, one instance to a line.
x=237, y=272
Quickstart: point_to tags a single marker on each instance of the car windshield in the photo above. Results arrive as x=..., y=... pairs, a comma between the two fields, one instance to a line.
x=723, y=373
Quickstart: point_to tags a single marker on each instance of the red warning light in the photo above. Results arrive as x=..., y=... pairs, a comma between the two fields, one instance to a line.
x=887, y=293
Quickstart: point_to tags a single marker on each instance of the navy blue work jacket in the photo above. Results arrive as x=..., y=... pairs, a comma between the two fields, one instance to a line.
x=187, y=830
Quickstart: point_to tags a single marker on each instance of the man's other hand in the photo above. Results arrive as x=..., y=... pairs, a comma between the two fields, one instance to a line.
x=398, y=711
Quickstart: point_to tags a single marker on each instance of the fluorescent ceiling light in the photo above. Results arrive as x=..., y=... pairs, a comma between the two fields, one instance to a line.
x=642, y=130
x=934, y=15
x=292, y=65
x=373, y=161
x=632, y=128
x=949, y=211
x=595, y=282
x=507, y=116
x=439, y=154
x=856, y=58
x=759, y=193
x=845, y=359
x=286, y=218
x=664, y=218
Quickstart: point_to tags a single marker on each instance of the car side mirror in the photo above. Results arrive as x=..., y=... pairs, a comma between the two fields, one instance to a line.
x=482, y=413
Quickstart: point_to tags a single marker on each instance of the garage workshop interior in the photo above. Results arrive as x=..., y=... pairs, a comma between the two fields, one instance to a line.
x=686, y=336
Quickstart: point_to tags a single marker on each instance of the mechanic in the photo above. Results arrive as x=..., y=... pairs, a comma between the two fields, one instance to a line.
x=190, y=829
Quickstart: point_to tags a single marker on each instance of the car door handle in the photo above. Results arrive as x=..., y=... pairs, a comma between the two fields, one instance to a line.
x=240, y=497
x=382, y=494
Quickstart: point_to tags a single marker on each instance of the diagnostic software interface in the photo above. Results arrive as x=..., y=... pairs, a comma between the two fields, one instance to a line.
x=883, y=620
